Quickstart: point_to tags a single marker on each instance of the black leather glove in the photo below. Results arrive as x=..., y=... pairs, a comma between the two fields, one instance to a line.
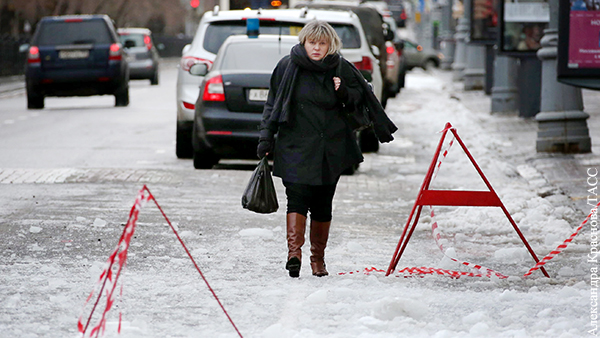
x=264, y=146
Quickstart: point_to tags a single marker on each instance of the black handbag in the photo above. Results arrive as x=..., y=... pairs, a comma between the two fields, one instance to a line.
x=358, y=118
x=260, y=195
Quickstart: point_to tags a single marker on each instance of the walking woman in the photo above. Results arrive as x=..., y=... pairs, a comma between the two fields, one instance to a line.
x=303, y=126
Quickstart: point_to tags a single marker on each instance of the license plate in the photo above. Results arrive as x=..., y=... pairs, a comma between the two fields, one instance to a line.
x=258, y=94
x=73, y=54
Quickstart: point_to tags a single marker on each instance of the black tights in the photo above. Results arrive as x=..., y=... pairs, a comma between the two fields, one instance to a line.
x=317, y=198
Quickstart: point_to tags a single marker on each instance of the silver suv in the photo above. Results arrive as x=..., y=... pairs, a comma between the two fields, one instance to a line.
x=215, y=26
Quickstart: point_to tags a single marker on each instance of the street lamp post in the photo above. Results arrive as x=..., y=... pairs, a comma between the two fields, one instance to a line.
x=505, y=95
x=562, y=124
x=458, y=67
x=474, y=73
x=447, y=42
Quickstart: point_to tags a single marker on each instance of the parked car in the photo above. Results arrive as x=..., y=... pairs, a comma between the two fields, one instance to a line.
x=76, y=55
x=399, y=12
x=418, y=56
x=216, y=26
x=396, y=69
x=142, y=55
x=398, y=44
x=232, y=96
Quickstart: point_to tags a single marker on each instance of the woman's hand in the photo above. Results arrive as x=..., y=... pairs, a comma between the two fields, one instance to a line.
x=265, y=146
x=336, y=82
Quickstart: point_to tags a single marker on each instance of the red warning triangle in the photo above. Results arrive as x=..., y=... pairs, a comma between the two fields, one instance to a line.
x=452, y=198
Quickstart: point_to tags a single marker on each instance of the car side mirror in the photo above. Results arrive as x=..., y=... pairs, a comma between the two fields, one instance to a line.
x=375, y=50
x=129, y=43
x=24, y=48
x=387, y=32
x=186, y=49
x=199, y=69
x=399, y=45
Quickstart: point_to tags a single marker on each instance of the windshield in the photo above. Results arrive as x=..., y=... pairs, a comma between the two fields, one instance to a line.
x=137, y=40
x=217, y=32
x=73, y=33
x=253, y=56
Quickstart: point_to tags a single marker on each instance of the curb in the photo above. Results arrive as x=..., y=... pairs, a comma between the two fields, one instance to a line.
x=11, y=85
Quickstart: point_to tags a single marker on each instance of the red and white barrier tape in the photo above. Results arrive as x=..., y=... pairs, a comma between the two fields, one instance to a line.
x=436, y=234
x=410, y=271
x=107, y=282
x=458, y=274
x=564, y=244
x=109, y=278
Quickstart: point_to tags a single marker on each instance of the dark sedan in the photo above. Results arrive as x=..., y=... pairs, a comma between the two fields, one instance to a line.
x=232, y=96
x=142, y=55
x=418, y=56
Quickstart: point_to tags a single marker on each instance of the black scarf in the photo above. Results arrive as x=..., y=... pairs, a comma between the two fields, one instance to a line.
x=382, y=125
x=299, y=59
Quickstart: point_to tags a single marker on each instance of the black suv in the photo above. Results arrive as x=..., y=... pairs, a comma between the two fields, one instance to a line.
x=76, y=55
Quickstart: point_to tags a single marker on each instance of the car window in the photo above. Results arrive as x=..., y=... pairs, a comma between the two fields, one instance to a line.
x=217, y=32
x=348, y=34
x=253, y=56
x=409, y=45
x=73, y=33
x=137, y=40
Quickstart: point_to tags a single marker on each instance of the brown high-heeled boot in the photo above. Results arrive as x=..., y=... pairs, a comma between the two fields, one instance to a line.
x=319, y=233
x=296, y=227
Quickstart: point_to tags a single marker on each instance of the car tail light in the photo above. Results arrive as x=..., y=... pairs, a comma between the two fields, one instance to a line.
x=114, y=53
x=34, y=55
x=214, y=90
x=188, y=61
x=399, y=51
x=219, y=132
x=188, y=105
x=148, y=42
x=403, y=15
x=390, y=50
x=261, y=19
x=365, y=64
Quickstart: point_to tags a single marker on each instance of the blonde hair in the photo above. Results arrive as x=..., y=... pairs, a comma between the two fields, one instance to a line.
x=317, y=30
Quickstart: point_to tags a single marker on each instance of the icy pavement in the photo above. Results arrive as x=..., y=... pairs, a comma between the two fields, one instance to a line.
x=56, y=243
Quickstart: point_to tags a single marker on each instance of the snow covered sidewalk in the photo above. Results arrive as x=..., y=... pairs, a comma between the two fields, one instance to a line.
x=243, y=254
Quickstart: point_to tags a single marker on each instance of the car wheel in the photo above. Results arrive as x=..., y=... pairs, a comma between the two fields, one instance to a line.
x=384, y=98
x=429, y=65
x=35, y=101
x=122, y=96
x=154, y=79
x=401, y=80
x=368, y=141
x=204, y=160
x=183, y=143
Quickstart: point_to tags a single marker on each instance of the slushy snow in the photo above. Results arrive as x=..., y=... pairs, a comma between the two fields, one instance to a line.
x=164, y=296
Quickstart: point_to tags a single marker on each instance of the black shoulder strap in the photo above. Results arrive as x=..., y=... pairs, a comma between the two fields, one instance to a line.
x=338, y=70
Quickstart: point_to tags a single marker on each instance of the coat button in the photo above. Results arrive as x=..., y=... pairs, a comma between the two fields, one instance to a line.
x=321, y=135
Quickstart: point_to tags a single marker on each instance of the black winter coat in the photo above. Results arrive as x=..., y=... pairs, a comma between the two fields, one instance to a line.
x=315, y=146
